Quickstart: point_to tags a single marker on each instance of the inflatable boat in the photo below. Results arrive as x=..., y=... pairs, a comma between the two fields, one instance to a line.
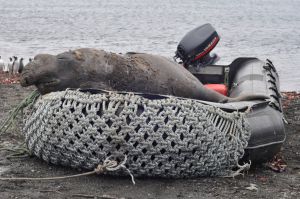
x=244, y=76
x=166, y=136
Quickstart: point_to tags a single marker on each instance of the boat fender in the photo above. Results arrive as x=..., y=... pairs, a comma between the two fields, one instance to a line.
x=220, y=88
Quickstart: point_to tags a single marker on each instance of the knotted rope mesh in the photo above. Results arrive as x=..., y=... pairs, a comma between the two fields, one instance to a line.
x=169, y=137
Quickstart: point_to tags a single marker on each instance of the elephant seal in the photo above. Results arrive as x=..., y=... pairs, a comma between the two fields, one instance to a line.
x=134, y=72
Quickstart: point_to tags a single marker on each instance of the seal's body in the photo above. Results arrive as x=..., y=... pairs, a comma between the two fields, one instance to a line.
x=90, y=68
x=136, y=72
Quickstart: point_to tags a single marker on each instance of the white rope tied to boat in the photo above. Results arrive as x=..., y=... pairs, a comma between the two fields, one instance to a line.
x=108, y=165
x=166, y=137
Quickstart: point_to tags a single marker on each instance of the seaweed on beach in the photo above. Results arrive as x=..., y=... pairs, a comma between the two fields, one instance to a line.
x=19, y=108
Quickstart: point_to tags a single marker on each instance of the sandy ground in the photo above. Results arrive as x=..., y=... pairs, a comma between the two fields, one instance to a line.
x=269, y=184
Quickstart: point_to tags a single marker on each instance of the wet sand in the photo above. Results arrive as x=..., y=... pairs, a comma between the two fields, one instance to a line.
x=269, y=184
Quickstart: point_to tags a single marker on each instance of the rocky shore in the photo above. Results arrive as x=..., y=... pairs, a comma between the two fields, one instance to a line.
x=260, y=182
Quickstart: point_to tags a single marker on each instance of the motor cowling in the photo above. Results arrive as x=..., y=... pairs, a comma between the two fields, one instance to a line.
x=195, y=46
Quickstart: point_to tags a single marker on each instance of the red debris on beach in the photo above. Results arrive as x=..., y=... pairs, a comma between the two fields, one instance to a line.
x=277, y=164
x=6, y=78
x=288, y=97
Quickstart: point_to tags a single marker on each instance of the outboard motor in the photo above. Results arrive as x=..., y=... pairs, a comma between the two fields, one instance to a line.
x=195, y=46
x=194, y=52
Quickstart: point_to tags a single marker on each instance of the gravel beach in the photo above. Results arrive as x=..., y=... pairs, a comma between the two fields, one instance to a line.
x=259, y=182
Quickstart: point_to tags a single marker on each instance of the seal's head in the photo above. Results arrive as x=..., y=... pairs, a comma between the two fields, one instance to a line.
x=51, y=73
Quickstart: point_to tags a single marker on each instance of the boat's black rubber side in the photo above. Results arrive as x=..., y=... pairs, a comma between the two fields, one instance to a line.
x=265, y=118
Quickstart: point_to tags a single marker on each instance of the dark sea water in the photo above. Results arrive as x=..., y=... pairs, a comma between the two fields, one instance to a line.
x=260, y=28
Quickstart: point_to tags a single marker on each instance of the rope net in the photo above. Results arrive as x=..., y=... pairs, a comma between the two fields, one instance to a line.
x=169, y=137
